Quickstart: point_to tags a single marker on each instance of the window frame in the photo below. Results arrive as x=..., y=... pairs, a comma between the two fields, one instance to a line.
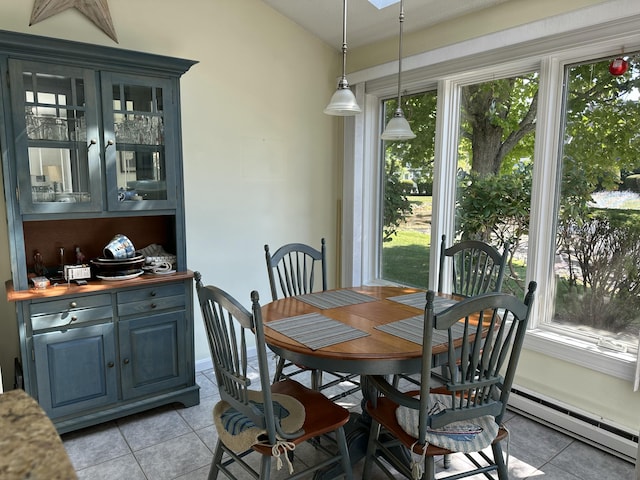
x=576, y=38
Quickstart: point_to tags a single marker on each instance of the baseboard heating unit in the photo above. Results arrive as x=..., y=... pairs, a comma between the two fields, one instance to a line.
x=587, y=428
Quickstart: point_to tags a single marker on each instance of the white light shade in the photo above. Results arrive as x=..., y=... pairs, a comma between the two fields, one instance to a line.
x=398, y=128
x=343, y=103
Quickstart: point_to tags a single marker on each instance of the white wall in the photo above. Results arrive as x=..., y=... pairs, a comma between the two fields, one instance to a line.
x=261, y=159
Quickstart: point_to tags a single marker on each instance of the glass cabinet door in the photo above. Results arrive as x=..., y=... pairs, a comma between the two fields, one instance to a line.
x=137, y=113
x=57, y=150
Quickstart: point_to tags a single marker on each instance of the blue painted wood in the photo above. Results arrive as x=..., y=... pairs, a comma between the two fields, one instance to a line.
x=152, y=354
x=156, y=337
x=76, y=369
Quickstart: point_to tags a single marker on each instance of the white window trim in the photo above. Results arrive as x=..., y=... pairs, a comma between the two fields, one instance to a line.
x=544, y=46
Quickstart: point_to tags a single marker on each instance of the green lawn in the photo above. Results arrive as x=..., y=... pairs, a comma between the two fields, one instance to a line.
x=405, y=259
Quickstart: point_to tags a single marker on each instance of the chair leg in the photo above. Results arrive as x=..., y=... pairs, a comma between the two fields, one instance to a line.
x=316, y=380
x=498, y=458
x=217, y=458
x=429, y=468
x=279, y=368
x=344, y=453
x=374, y=433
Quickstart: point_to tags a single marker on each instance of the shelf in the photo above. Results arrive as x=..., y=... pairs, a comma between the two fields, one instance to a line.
x=92, y=287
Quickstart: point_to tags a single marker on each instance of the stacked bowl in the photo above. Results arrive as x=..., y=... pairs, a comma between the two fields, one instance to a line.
x=120, y=261
x=118, y=269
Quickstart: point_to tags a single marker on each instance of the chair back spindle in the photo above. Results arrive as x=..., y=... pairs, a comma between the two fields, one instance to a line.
x=476, y=267
x=292, y=269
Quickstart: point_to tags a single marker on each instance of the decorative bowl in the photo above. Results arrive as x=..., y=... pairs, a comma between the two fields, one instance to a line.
x=106, y=266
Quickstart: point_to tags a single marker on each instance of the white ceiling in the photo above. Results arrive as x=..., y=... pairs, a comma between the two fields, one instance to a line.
x=367, y=24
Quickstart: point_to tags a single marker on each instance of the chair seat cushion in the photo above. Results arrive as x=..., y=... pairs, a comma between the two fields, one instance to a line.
x=464, y=436
x=239, y=433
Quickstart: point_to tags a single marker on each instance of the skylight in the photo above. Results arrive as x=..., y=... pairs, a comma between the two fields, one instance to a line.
x=380, y=4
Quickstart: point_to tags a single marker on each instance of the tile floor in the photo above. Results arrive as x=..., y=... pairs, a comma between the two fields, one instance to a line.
x=174, y=442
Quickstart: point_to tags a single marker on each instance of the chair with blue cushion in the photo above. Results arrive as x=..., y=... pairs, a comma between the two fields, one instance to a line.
x=476, y=268
x=466, y=413
x=270, y=420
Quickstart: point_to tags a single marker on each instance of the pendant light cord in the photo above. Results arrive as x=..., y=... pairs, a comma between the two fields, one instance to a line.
x=343, y=101
x=398, y=127
x=400, y=53
x=343, y=80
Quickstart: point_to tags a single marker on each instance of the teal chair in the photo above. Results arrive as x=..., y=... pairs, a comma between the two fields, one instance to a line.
x=299, y=269
x=271, y=419
x=477, y=267
x=465, y=415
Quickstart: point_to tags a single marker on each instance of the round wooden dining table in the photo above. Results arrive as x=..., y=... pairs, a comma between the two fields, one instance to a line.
x=362, y=342
x=376, y=353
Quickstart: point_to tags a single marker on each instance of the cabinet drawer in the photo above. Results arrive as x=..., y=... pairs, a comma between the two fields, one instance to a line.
x=71, y=317
x=70, y=303
x=145, y=300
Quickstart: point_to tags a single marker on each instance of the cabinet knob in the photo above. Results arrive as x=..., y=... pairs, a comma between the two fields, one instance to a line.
x=110, y=364
x=91, y=143
x=153, y=293
x=109, y=143
x=153, y=305
x=73, y=319
x=125, y=361
x=73, y=304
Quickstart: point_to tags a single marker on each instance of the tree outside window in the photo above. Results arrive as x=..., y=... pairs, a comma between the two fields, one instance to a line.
x=597, y=239
x=598, y=228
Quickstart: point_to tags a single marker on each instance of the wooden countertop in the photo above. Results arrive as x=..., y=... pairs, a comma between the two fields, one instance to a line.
x=30, y=445
x=93, y=286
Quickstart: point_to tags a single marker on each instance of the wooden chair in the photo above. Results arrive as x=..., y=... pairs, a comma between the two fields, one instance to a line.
x=477, y=267
x=472, y=403
x=293, y=270
x=284, y=413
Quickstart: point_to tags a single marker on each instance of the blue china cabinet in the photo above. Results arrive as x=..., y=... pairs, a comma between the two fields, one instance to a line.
x=91, y=147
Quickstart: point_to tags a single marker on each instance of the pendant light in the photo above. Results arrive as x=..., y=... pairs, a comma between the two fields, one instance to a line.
x=343, y=102
x=398, y=128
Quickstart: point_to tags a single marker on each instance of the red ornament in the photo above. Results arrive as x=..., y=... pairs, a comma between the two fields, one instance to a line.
x=619, y=66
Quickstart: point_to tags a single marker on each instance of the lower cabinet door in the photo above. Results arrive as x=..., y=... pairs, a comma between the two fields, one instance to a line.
x=152, y=353
x=75, y=369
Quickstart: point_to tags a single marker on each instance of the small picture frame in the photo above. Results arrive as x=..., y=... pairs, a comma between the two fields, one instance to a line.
x=128, y=164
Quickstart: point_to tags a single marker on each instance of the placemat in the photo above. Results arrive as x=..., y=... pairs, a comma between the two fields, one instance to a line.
x=315, y=331
x=412, y=328
x=335, y=298
x=419, y=300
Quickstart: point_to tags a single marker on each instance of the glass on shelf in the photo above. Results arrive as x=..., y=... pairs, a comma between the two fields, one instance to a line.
x=46, y=194
x=47, y=127
x=140, y=129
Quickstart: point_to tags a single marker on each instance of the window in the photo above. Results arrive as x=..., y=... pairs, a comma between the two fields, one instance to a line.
x=597, y=267
x=494, y=172
x=407, y=185
x=545, y=159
